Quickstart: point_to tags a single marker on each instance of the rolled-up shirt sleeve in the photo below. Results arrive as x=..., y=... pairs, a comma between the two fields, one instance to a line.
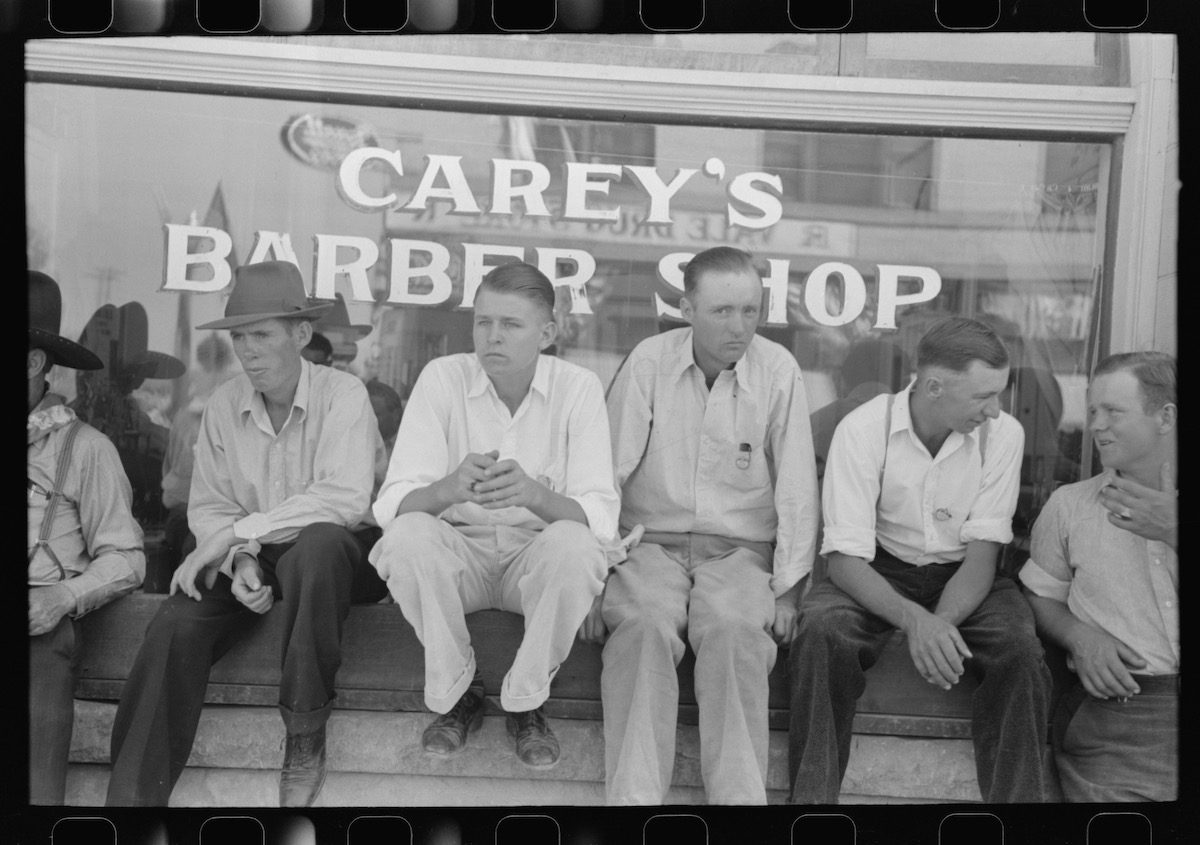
x=1048, y=572
x=589, y=462
x=990, y=517
x=421, y=453
x=851, y=490
x=111, y=536
x=789, y=437
x=343, y=472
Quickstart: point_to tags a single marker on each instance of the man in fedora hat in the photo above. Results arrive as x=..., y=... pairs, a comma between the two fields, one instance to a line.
x=279, y=506
x=85, y=549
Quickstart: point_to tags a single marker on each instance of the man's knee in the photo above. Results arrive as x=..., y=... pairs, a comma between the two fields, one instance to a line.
x=412, y=547
x=573, y=553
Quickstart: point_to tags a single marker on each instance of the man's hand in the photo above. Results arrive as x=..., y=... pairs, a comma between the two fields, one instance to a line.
x=592, y=630
x=462, y=482
x=1153, y=514
x=936, y=647
x=207, y=558
x=47, y=606
x=507, y=486
x=1103, y=663
x=787, y=611
x=248, y=587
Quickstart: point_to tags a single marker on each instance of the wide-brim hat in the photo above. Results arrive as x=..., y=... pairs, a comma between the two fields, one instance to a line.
x=266, y=290
x=119, y=337
x=45, y=320
x=337, y=320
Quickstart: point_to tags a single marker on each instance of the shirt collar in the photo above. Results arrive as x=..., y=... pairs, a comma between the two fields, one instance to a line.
x=254, y=404
x=481, y=384
x=686, y=357
x=902, y=419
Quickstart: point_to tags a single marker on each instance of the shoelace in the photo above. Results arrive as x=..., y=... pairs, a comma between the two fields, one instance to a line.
x=460, y=710
x=530, y=721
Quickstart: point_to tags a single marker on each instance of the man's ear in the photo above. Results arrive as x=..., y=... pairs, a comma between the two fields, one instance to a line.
x=549, y=333
x=304, y=332
x=35, y=363
x=1168, y=417
x=686, y=309
x=931, y=384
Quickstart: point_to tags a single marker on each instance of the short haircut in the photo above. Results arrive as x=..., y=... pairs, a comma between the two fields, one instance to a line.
x=1155, y=372
x=955, y=342
x=319, y=343
x=524, y=280
x=718, y=259
x=391, y=399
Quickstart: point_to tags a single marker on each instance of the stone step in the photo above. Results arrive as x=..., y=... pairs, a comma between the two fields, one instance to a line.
x=248, y=742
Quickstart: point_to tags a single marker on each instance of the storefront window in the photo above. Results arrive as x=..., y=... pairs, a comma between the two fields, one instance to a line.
x=864, y=240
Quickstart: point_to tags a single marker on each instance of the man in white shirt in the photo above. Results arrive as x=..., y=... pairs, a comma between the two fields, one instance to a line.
x=715, y=460
x=919, y=493
x=1104, y=573
x=499, y=494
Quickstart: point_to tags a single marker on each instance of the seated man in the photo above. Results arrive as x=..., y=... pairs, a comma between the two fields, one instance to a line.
x=85, y=549
x=279, y=505
x=714, y=456
x=918, y=498
x=499, y=495
x=1104, y=573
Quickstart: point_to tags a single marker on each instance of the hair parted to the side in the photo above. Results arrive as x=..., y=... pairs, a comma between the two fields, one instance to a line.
x=718, y=259
x=1155, y=372
x=524, y=280
x=955, y=342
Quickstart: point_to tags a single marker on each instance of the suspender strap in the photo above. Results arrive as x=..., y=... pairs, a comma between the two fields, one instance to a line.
x=60, y=477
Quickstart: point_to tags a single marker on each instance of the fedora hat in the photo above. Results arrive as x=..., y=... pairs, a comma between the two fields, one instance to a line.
x=264, y=291
x=119, y=337
x=45, y=320
x=337, y=320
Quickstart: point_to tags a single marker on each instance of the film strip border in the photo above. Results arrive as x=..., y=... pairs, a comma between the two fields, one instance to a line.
x=862, y=825
x=580, y=826
x=49, y=18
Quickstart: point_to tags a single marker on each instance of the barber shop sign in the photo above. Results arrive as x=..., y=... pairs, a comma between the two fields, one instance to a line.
x=541, y=207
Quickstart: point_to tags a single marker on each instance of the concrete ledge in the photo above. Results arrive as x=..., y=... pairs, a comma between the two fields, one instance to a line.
x=239, y=749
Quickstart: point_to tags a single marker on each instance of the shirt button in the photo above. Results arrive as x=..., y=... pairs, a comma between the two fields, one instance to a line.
x=1169, y=603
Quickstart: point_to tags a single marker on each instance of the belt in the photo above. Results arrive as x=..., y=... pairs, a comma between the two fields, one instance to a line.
x=1158, y=684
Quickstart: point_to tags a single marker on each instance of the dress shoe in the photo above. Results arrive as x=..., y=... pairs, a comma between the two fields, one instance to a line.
x=448, y=733
x=303, y=772
x=537, y=746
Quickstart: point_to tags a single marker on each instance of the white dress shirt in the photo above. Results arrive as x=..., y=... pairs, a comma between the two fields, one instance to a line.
x=559, y=436
x=929, y=507
x=735, y=461
x=1108, y=577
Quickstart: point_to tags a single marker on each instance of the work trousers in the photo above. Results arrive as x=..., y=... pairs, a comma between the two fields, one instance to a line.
x=438, y=573
x=837, y=640
x=1113, y=750
x=52, y=673
x=719, y=591
x=315, y=580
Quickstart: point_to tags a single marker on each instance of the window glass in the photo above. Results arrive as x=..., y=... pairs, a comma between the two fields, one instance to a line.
x=138, y=200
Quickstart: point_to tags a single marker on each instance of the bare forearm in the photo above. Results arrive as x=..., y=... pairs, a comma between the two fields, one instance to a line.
x=432, y=499
x=968, y=587
x=1055, y=621
x=553, y=507
x=870, y=589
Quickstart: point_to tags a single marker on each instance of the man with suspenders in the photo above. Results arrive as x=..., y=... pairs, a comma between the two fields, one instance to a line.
x=919, y=493
x=85, y=549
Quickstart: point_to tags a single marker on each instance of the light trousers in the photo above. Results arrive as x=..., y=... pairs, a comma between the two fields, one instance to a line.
x=718, y=591
x=438, y=573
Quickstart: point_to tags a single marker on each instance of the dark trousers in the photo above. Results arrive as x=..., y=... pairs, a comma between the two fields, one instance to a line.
x=838, y=640
x=52, y=665
x=315, y=580
x=1119, y=750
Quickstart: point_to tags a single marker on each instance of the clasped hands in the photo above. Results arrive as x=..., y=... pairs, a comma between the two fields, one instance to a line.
x=493, y=484
x=936, y=647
